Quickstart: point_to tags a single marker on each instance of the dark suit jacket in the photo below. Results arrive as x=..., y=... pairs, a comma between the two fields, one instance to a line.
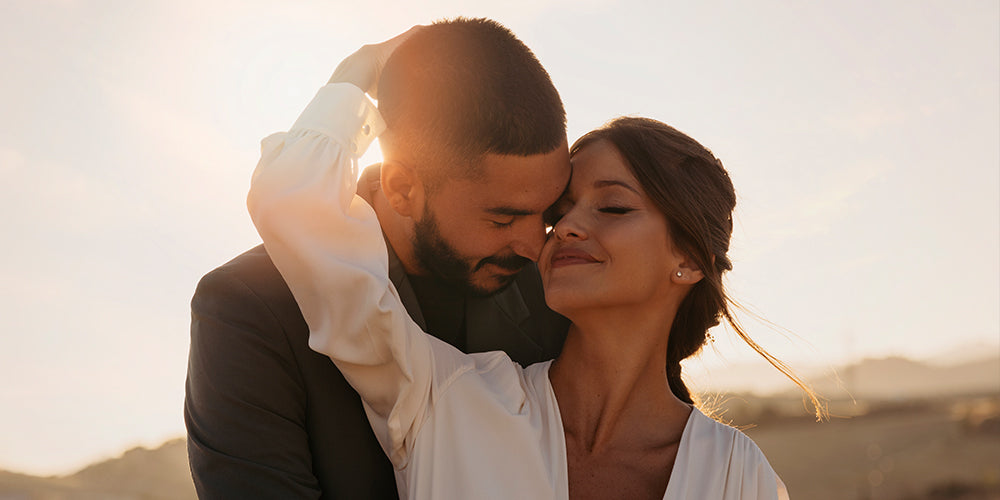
x=269, y=418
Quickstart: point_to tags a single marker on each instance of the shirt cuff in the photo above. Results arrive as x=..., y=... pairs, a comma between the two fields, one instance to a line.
x=343, y=112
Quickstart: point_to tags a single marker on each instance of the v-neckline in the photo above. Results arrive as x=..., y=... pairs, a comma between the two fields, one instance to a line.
x=561, y=436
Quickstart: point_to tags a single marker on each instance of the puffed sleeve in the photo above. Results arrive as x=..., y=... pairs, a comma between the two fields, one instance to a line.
x=328, y=246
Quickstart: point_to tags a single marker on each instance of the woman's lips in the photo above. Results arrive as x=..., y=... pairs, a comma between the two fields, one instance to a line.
x=571, y=257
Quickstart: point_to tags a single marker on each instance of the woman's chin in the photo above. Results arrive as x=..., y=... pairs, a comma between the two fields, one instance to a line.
x=566, y=301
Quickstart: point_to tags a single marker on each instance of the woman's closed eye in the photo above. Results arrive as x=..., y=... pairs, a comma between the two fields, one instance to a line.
x=617, y=210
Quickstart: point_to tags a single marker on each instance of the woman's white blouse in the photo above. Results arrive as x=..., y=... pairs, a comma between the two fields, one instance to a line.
x=454, y=425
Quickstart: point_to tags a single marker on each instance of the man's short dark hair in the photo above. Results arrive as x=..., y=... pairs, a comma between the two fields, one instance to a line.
x=463, y=88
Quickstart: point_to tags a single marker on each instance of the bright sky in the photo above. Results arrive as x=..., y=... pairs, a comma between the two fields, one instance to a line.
x=863, y=139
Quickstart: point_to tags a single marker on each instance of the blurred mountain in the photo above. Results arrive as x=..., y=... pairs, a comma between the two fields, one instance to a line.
x=139, y=474
x=880, y=379
x=902, y=378
x=965, y=352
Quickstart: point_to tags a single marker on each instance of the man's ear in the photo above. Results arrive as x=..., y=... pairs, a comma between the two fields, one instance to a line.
x=402, y=188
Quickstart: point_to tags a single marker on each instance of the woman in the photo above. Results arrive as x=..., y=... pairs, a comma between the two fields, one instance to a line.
x=634, y=259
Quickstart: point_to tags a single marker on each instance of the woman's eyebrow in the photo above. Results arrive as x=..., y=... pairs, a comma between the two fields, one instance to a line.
x=612, y=182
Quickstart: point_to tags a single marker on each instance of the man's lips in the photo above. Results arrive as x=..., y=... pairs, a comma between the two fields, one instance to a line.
x=570, y=257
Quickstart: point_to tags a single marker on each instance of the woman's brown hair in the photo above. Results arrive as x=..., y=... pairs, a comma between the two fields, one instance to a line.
x=692, y=189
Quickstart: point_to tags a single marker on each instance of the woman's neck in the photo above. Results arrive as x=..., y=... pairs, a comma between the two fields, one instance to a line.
x=610, y=381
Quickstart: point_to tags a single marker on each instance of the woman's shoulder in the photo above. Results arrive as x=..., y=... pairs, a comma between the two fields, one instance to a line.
x=735, y=462
x=728, y=440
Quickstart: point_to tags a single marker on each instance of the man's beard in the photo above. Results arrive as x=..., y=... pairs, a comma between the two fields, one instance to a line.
x=444, y=262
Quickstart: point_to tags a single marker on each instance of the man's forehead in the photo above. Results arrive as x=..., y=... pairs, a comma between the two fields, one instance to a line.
x=513, y=185
x=497, y=197
x=500, y=199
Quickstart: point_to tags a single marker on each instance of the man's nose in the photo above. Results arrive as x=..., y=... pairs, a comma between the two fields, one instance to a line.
x=529, y=239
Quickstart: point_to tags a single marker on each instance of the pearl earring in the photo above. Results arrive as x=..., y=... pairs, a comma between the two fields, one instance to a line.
x=680, y=274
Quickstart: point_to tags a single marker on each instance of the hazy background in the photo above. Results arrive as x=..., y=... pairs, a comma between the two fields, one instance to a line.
x=863, y=139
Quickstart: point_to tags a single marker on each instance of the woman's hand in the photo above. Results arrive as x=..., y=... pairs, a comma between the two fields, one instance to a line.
x=364, y=67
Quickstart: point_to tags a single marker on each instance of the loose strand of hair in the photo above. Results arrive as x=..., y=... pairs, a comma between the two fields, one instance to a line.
x=818, y=402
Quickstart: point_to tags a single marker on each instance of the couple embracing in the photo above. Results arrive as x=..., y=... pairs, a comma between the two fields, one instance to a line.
x=561, y=286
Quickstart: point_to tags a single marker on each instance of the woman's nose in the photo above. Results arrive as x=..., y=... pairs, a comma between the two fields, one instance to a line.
x=570, y=226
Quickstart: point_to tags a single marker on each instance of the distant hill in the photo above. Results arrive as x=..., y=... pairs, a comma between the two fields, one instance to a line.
x=901, y=378
x=139, y=474
x=879, y=379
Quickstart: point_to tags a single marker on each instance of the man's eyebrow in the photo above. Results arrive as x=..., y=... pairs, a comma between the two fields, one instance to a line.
x=611, y=182
x=510, y=211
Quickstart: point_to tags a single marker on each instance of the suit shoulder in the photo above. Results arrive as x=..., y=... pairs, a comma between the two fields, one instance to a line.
x=251, y=272
x=253, y=265
x=247, y=291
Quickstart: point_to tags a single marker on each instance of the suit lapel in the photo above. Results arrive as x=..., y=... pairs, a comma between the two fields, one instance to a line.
x=405, y=290
x=494, y=323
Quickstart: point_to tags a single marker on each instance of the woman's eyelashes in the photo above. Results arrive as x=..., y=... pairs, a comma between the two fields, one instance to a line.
x=554, y=214
x=615, y=209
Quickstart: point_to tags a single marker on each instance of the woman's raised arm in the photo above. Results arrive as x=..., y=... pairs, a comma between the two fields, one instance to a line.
x=328, y=246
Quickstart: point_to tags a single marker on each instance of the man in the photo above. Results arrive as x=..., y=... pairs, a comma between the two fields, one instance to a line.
x=475, y=151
